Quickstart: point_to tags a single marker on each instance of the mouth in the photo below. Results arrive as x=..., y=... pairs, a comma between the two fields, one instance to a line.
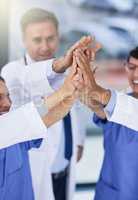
x=135, y=81
x=2, y=113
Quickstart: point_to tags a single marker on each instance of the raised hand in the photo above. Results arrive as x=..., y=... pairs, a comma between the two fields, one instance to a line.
x=61, y=64
x=91, y=91
x=74, y=80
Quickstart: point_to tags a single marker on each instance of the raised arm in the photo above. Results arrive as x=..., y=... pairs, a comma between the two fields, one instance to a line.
x=61, y=64
x=92, y=94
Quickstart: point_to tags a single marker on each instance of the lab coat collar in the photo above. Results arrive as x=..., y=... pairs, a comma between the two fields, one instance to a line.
x=28, y=60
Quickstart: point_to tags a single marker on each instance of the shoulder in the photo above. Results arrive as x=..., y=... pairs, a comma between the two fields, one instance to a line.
x=12, y=70
x=11, y=66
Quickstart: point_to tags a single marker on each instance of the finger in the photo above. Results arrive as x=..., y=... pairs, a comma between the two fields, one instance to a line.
x=77, y=44
x=88, y=54
x=83, y=71
x=97, y=47
x=94, y=69
x=80, y=54
x=72, y=71
x=84, y=41
x=93, y=55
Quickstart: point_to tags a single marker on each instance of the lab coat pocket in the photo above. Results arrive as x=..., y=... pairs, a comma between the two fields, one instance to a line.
x=14, y=160
x=105, y=191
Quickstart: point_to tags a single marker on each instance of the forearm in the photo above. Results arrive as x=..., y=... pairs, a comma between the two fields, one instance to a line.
x=101, y=95
x=58, y=112
x=55, y=98
x=59, y=65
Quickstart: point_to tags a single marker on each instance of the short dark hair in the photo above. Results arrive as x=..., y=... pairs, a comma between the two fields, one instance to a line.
x=35, y=15
x=2, y=79
x=133, y=53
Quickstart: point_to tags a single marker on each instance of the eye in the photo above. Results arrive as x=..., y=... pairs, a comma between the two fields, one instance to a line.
x=131, y=66
x=2, y=97
x=37, y=40
x=51, y=39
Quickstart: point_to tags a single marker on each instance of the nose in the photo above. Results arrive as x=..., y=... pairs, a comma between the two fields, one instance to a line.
x=136, y=72
x=6, y=104
x=44, y=46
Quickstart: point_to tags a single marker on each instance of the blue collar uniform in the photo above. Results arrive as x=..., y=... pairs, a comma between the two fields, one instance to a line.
x=15, y=176
x=119, y=174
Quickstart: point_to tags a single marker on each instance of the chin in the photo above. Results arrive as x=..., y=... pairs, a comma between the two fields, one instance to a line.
x=45, y=57
x=2, y=113
x=135, y=90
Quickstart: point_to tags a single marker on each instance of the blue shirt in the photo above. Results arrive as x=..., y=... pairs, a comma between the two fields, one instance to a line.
x=119, y=174
x=15, y=176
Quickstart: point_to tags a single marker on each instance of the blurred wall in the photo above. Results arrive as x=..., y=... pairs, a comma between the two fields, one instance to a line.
x=4, y=31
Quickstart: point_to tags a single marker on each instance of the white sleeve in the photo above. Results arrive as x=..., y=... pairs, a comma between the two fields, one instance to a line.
x=125, y=111
x=15, y=81
x=55, y=79
x=22, y=124
x=79, y=128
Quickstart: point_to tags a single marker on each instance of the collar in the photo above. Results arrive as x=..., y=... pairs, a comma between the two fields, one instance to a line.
x=27, y=59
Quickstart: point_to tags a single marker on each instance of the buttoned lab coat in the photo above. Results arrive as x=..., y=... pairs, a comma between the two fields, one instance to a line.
x=32, y=85
x=15, y=176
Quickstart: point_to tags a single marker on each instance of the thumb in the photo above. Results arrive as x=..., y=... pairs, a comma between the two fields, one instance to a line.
x=73, y=68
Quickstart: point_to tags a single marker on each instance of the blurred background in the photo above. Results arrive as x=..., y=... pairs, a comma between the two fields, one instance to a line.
x=115, y=25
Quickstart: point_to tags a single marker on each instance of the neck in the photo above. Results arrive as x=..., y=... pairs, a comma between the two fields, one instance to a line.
x=135, y=94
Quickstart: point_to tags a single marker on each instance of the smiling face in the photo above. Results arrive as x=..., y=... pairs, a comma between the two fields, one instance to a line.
x=41, y=40
x=5, y=102
x=132, y=73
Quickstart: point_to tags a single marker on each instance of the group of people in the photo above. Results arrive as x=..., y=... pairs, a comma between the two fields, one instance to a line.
x=43, y=94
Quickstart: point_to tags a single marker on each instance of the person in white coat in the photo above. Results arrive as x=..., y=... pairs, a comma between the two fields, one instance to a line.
x=40, y=35
x=17, y=139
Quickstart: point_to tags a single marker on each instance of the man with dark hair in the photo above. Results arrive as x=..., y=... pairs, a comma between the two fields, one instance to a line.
x=133, y=53
x=118, y=177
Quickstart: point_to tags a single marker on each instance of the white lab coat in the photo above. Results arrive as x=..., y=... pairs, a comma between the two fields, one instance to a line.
x=16, y=74
x=29, y=126
x=125, y=111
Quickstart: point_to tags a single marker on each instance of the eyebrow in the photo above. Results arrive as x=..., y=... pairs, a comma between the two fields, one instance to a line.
x=7, y=93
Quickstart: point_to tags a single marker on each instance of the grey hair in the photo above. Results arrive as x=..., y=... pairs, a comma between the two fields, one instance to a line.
x=35, y=15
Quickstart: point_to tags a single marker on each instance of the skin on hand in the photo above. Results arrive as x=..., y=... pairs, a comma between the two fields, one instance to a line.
x=57, y=112
x=68, y=89
x=91, y=91
x=61, y=64
x=79, y=152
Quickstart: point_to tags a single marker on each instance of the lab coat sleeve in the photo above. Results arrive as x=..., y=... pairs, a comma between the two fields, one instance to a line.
x=31, y=144
x=78, y=125
x=15, y=81
x=20, y=125
x=125, y=111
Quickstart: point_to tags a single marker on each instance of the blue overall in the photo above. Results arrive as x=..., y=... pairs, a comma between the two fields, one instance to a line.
x=119, y=174
x=15, y=176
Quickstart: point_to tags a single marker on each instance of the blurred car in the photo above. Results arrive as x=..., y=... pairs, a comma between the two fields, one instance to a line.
x=117, y=5
x=109, y=59
x=113, y=45
x=124, y=27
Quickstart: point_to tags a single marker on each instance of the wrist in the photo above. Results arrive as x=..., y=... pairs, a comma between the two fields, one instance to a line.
x=101, y=95
x=59, y=65
x=64, y=92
